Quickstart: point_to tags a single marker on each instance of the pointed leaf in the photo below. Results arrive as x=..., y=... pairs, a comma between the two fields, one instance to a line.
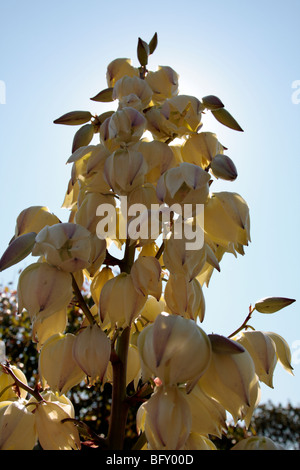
x=104, y=96
x=83, y=136
x=153, y=44
x=142, y=52
x=225, y=118
x=272, y=304
x=18, y=249
x=74, y=118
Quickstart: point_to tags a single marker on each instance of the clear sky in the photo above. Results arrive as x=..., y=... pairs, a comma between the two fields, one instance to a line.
x=53, y=58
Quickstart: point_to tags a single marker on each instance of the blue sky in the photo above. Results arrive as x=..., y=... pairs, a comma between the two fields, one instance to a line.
x=53, y=58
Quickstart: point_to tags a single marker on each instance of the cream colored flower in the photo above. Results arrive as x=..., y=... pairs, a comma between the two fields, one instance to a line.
x=162, y=357
x=66, y=246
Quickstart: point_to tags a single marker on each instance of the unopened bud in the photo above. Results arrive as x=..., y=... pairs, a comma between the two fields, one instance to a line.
x=17, y=426
x=57, y=366
x=120, y=301
x=272, y=304
x=54, y=428
x=166, y=419
x=17, y=250
x=43, y=290
x=223, y=167
x=91, y=351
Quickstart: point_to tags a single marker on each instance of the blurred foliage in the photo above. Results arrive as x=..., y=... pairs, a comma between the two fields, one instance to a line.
x=92, y=405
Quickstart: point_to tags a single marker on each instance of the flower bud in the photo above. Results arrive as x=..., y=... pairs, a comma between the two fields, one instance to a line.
x=146, y=276
x=117, y=69
x=160, y=355
x=167, y=419
x=124, y=170
x=33, y=219
x=6, y=380
x=136, y=89
x=54, y=430
x=184, y=184
x=163, y=82
x=212, y=102
x=17, y=250
x=17, y=426
x=57, y=366
x=256, y=443
x=262, y=349
x=83, y=136
x=120, y=301
x=272, y=304
x=74, y=118
x=43, y=290
x=226, y=219
x=91, y=351
x=66, y=246
x=223, y=167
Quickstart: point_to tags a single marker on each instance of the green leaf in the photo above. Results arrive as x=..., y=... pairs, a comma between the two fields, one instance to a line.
x=17, y=250
x=74, y=118
x=225, y=118
x=153, y=44
x=272, y=304
x=104, y=96
x=143, y=52
x=83, y=136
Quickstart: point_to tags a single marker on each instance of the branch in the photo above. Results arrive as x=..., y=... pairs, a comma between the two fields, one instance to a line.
x=82, y=302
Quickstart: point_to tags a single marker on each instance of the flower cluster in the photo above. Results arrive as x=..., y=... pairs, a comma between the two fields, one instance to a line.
x=144, y=325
